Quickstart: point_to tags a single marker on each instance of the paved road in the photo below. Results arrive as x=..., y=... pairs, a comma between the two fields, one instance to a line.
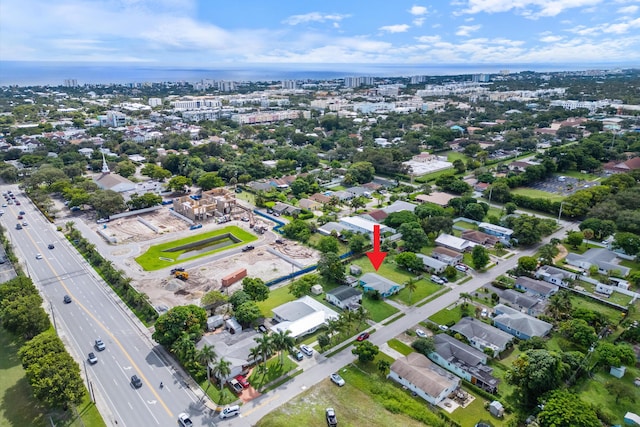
x=96, y=312
x=253, y=411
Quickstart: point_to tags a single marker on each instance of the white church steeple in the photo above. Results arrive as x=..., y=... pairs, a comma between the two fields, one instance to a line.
x=105, y=166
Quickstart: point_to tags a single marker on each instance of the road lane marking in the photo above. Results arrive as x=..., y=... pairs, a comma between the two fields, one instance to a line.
x=255, y=408
x=90, y=314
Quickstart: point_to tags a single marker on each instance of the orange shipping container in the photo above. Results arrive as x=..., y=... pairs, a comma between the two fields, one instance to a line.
x=234, y=277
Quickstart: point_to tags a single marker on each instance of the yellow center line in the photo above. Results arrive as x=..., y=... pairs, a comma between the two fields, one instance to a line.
x=105, y=329
x=255, y=408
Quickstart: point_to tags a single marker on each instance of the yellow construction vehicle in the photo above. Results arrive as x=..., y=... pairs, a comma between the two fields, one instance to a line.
x=182, y=275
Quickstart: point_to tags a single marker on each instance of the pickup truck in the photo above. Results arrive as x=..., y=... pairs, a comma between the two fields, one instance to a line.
x=248, y=248
x=235, y=385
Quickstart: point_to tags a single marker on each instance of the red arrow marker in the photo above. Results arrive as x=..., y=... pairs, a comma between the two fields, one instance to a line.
x=376, y=257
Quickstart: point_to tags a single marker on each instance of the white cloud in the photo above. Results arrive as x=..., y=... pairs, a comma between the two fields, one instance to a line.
x=418, y=10
x=313, y=17
x=628, y=10
x=551, y=39
x=622, y=27
x=466, y=30
x=399, y=28
x=530, y=8
x=418, y=22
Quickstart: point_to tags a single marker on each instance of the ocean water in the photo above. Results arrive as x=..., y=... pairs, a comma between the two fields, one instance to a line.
x=52, y=73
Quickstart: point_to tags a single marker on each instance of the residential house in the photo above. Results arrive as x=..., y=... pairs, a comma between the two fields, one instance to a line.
x=372, y=282
x=536, y=288
x=622, y=167
x=604, y=259
x=555, y=275
x=479, y=237
x=423, y=377
x=453, y=242
x=285, y=209
x=330, y=227
x=360, y=225
x=309, y=204
x=464, y=361
x=320, y=198
x=496, y=230
x=519, y=324
x=345, y=297
x=448, y=256
x=398, y=206
x=343, y=196
x=432, y=265
x=436, y=197
x=481, y=335
x=376, y=216
x=525, y=303
x=302, y=316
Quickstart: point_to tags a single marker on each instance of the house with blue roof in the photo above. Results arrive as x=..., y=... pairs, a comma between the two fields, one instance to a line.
x=372, y=282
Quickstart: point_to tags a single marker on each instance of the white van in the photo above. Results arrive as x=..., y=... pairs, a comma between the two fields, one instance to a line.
x=229, y=412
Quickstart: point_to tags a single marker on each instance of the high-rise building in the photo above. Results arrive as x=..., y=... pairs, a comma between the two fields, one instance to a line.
x=289, y=84
x=154, y=102
x=71, y=82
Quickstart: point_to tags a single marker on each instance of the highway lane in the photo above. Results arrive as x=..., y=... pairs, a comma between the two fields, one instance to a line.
x=95, y=313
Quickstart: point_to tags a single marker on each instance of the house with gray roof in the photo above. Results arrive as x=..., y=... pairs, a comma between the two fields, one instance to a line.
x=423, y=377
x=449, y=256
x=432, y=265
x=327, y=228
x=372, y=282
x=555, y=275
x=604, y=259
x=481, y=335
x=285, y=209
x=398, y=206
x=345, y=297
x=343, y=196
x=519, y=324
x=536, y=288
x=464, y=361
x=524, y=303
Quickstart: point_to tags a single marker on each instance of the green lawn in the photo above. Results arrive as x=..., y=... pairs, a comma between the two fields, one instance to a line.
x=630, y=264
x=580, y=175
x=475, y=411
x=399, y=346
x=424, y=289
x=378, y=309
x=17, y=404
x=446, y=316
x=220, y=397
x=259, y=378
x=454, y=155
x=538, y=194
x=276, y=298
x=612, y=314
x=158, y=256
x=594, y=391
x=466, y=225
x=388, y=269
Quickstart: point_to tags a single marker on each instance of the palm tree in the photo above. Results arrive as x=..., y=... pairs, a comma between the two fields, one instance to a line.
x=221, y=369
x=184, y=348
x=265, y=346
x=69, y=225
x=559, y=305
x=348, y=317
x=254, y=354
x=361, y=316
x=411, y=286
x=547, y=253
x=283, y=341
x=206, y=356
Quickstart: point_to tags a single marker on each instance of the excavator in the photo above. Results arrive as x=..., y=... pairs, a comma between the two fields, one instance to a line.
x=182, y=275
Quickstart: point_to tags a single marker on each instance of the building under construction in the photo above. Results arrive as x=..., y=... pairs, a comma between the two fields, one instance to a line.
x=217, y=204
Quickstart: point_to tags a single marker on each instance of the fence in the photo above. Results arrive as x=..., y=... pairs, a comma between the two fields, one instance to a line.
x=301, y=272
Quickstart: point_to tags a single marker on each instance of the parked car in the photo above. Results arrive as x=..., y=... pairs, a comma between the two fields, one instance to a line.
x=230, y=411
x=235, y=385
x=297, y=354
x=245, y=219
x=461, y=267
x=243, y=381
x=363, y=336
x=443, y=327
x=337, y=379
x=332, y=420
x=263, y=329
x=248, y=248
x=184, y=420
x=102, y=220
x=306, y=350
x=436, y=279
x=99, y=344
x=484, y=312
x=421, y=334
x=135, y=381
x=92, y=358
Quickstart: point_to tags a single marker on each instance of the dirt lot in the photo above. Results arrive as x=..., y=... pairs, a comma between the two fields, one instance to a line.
x=130, y=229
x=259, y=263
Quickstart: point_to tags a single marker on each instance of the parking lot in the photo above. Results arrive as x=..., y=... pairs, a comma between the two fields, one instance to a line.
x=563, y=185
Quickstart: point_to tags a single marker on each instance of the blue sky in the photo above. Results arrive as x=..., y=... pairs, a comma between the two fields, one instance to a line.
x=216, y=32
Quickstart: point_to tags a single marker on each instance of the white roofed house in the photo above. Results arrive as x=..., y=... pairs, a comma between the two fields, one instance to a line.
x=361, y=225
x=432, y=265
x=345, y=297
x=423, y=377
x=555, y=275
x=455, y=243
x=302, y=316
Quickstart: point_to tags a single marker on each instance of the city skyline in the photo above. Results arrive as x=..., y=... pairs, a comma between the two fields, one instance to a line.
x=253, y=32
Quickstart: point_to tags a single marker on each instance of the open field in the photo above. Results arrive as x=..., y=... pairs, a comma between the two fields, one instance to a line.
x=162, y=255
x=130, y=229
x=538, y=194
